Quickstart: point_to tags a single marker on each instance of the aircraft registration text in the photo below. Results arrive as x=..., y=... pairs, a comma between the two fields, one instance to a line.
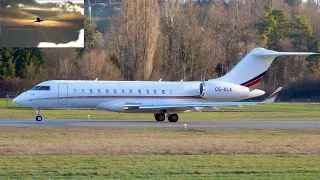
x=226, y=89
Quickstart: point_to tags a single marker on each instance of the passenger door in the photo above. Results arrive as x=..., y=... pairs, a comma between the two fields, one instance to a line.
x=62, y=94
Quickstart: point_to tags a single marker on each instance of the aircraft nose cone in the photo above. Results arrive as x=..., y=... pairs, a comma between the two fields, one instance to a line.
x=17, y=100
x=14, y=100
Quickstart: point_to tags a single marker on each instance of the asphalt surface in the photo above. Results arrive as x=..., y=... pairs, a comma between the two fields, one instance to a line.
x=179, y=124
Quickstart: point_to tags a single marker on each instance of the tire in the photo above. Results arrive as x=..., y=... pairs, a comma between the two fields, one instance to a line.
x=160, y=117
x=38, y=118
x=173, y=118
x=156, y=117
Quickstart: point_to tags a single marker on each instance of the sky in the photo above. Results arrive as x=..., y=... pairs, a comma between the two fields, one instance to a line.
x=46, y=1
x=62, y=26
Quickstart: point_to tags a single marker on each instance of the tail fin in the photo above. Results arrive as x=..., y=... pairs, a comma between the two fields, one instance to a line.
x=272, y=97
x=251, y=69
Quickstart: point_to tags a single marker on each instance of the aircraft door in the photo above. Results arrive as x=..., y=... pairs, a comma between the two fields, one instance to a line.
x=62, y=94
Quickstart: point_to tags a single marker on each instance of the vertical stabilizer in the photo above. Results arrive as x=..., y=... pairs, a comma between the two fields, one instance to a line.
x=251, y=68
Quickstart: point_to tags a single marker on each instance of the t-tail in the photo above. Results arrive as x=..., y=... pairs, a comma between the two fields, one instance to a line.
x=251, y=69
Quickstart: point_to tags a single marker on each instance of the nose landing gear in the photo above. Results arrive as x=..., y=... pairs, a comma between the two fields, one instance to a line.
x=39, y=118
x=38, y=114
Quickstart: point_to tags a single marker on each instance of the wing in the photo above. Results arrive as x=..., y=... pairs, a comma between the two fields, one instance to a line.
x=195, y=106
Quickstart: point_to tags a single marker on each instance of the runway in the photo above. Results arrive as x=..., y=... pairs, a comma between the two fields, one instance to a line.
x=165, y=124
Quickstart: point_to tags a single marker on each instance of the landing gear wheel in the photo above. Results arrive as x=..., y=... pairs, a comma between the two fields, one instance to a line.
x=173, y=118
x=160, y=117
x=39, y=118
x=38, y=113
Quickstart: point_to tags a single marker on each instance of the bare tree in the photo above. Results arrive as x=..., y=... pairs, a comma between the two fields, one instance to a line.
x=97, y=64
x=134, y=38
x=60, y=62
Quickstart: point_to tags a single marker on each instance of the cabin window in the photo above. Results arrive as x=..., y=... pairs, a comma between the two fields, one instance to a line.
x=170, y=91
x=163, y=92
x=139, y=91
x=107, y=91
x=82, y=90
x=99, y=91
x=74, y=91
x=122, y=91
x=147, y=91
x=115, y=91
x=90, y=91
x=154, y=91
x=130, y=91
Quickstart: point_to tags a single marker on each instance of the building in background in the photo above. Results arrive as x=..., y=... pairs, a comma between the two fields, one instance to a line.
x=101, y=12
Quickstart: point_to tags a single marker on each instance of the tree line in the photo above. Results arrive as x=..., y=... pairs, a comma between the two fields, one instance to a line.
x=149, y=40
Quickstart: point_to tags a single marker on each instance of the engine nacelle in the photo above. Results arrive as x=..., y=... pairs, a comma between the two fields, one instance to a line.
x=223, y=91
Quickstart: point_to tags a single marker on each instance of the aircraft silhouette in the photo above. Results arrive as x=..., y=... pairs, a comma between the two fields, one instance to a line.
x=39, y=20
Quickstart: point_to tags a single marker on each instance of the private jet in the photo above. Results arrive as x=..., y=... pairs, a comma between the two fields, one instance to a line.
x=39, y=20
x=162, y=98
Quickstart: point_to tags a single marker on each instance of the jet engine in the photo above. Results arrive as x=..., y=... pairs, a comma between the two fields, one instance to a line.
x=223, y=91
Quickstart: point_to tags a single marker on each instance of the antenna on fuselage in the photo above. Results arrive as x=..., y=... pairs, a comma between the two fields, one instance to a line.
x=160, y=79
x=181, y=80
x=96, y=79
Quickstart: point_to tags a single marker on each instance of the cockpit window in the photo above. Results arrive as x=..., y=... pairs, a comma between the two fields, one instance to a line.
x=46, y=88
x=35, y=88
x=41, y=88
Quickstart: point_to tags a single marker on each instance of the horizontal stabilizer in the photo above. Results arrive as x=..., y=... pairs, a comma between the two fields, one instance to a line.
x=275, y=53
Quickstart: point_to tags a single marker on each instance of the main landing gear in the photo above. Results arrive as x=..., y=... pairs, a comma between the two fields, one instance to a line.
x=173, y=118
x=38, y=114
x=162, y=116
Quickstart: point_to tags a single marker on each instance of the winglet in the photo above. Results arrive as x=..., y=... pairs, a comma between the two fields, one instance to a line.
x=272, y=97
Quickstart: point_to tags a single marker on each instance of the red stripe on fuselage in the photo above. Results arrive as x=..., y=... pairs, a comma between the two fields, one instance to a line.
x=254, y=82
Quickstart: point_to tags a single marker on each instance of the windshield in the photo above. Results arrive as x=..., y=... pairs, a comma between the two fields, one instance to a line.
x=45, y=88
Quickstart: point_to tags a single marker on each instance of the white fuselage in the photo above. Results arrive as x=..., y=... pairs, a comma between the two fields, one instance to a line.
x=112, y=95
x=157, y=96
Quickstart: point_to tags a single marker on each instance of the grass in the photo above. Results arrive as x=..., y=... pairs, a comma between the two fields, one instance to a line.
x=278, y=166
x=153, y=153
x=274, y=111
x=261, y=112
x=165, y=153
x=155, y=141
x=3, y=103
